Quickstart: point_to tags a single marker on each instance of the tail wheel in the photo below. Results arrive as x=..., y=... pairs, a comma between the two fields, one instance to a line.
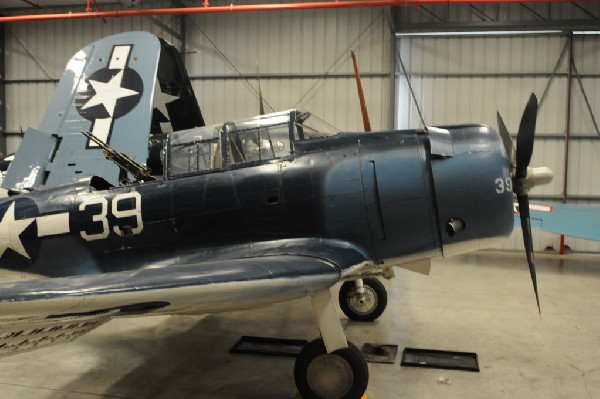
x=366, y=308
x=342, y=374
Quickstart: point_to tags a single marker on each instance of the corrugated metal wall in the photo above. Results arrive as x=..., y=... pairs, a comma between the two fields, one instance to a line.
x=467, y=79
x=303, y=59
x=294, y=51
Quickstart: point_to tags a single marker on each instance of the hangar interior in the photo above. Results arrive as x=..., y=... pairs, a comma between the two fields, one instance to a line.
x=421, y=64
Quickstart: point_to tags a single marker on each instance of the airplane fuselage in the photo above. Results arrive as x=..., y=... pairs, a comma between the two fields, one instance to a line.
x=392, y=195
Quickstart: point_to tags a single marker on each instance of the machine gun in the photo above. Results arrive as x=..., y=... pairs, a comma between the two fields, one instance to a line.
x=123, y=161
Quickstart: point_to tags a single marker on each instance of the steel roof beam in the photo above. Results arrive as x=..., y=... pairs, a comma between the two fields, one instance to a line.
x=254, y=7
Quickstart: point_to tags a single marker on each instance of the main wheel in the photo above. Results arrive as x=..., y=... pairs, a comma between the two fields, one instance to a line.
x=368, y=309
x=342, y=374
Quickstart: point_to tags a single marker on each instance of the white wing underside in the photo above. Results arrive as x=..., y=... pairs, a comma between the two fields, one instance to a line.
x=47, y=311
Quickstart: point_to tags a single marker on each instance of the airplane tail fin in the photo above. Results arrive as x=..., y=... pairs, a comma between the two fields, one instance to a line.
x=123, y=89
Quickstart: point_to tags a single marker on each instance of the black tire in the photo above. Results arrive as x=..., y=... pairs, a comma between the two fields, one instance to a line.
x=376, y=300
x=342, y=374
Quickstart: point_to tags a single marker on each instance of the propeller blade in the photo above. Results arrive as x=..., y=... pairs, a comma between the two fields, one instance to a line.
x=528, y=241
x=525, y=136
x=506, y=139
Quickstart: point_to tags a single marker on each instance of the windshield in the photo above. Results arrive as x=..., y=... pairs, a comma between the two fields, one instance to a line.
x=191, y=151
x=249, y=141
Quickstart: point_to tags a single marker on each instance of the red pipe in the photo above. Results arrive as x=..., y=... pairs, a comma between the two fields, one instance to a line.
x=259, y=7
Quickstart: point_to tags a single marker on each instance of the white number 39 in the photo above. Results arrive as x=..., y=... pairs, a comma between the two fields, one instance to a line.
x=503, y=185
x=101, y=219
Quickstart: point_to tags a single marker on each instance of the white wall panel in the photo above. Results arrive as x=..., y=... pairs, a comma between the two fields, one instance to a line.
x=292, y=45
x=584, y=168
x=585, y=50
x=581, y=119
x=484, y=54
x=451, y=100
x=474, y=77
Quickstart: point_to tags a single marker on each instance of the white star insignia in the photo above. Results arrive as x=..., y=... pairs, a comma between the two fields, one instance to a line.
x=107, y=94
x=161, y=99
x=10, y=230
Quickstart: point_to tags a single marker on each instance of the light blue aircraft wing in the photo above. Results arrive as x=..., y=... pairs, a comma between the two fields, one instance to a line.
x=574, y=220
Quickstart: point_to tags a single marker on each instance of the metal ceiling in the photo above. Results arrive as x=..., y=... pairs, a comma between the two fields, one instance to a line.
x=409, y=15
x=490, y=16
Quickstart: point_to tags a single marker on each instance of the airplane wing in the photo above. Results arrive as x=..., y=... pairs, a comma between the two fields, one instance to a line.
x=572, y=220
x=207, y=286
x=34, y=312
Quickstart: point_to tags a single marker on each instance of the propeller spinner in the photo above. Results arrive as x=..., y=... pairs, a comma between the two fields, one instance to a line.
x=525, y=178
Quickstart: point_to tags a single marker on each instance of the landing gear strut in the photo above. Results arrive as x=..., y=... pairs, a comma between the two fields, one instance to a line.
x=363, y=299
x=330, y=367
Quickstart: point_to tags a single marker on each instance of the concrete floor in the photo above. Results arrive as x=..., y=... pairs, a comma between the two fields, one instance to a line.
x=475, y=303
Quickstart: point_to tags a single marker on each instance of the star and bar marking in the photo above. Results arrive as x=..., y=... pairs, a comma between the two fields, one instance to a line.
x=106, y=89
x=108, y=93
x=12, y=228
x=160, y=101
x=120, y=216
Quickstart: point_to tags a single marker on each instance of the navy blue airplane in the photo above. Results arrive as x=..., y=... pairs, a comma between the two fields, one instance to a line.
x=124, y=203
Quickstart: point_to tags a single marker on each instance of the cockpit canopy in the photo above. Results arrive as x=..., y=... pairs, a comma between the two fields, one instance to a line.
x=245, y=142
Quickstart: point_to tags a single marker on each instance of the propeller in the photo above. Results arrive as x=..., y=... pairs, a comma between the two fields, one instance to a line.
x=525, y=137
x=524, y=178
x=507, y=140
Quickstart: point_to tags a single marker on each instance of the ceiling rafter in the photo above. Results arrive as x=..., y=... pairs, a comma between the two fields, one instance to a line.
x=585, y=10
x=482, y=15
x=503, y=17
x=31, y=3
x=533, y=12
x=432, y=14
